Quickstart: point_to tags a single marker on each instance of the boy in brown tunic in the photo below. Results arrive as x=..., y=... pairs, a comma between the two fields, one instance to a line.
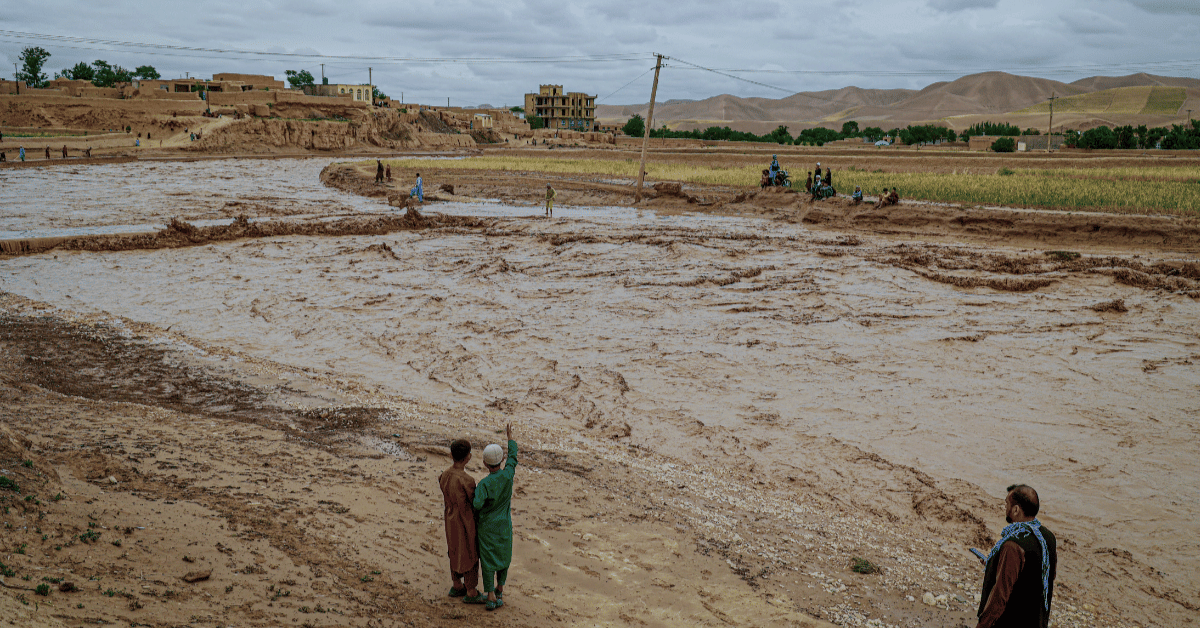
x=458, y=491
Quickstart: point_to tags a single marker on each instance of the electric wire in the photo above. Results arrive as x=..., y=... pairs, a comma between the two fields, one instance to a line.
x=626, y=85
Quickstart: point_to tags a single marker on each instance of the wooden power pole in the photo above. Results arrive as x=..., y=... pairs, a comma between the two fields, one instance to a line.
x=1050, y=128
x=637, y=197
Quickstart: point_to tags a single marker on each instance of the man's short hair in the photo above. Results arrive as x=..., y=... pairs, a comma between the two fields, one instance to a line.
x=1024, y=496
x=460, y=449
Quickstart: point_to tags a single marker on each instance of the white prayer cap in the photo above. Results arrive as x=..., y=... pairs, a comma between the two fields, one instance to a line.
x=493, y=455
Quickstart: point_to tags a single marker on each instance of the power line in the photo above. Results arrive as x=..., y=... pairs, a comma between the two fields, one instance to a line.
x=626, y=85
x=598, y=58
x=726, y=74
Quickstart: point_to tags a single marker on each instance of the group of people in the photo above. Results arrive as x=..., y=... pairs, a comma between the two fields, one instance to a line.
x=87, y=152
x=383, y=173
x=479, y=530
x=820, y=187
x=1018, y=578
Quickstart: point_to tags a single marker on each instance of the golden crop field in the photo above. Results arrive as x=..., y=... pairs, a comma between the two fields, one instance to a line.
x=1151, y=190
x=1165, y=101
x=1119, y=100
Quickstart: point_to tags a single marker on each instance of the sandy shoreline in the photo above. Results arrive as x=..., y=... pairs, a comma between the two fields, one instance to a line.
x=685, y=362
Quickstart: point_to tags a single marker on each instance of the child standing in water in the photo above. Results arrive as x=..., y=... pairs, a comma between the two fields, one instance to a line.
x=493, y=501
x=458, y=493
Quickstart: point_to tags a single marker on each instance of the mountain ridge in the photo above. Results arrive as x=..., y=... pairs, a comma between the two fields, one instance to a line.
x=990, y=95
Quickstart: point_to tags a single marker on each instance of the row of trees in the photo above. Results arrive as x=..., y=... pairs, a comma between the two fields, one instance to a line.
x=101, y=73
x=816, y=136
x=1178, y=137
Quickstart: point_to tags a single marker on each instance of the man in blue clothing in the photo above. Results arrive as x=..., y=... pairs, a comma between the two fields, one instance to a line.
x=492, y=503
x=419, y=190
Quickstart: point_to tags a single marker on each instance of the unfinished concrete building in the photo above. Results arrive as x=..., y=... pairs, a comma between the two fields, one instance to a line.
x=569, y=111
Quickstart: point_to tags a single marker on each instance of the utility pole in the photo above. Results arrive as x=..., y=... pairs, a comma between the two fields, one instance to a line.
x=637, y=196
x=322, y=73
x=447, y=102
x=1189, y=115
x=16, y=79
x=1050, y=128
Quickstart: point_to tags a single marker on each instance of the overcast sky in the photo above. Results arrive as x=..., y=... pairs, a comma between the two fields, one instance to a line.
x=868, y=43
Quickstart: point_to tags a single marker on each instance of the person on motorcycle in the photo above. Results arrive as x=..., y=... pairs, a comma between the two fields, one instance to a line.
x=774, y=169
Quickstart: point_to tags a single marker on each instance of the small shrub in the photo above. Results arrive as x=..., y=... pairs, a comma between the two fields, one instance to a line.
x=10, y=484
x=42, y=589
x=28, y=464
x=1004, y=145
x=864, y=566
x=1065, y=256
x=1006, y=172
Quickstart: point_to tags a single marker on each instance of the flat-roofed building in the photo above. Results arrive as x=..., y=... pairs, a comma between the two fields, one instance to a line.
x=569, y=111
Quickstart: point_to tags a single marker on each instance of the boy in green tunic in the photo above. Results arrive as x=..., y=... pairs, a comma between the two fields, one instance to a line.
x=493, y=499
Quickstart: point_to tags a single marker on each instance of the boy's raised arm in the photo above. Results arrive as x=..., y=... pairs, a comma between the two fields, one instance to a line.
x=512, y=449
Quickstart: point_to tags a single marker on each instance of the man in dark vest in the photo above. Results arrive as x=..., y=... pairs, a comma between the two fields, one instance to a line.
x=1018, y=583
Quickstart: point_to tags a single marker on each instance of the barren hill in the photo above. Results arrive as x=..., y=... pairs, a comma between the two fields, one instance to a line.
x=991, y=94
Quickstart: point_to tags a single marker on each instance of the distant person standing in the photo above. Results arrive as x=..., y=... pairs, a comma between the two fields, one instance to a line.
x=829, y=177
x=1018, y=579
x=808, y=184
x=47, y=152
x=419, y=190
x=388, y=173
x=22, y=153
x=3, y=156
x=550, y=194
x=817, y=173
x=64, y=151
x=378, y=171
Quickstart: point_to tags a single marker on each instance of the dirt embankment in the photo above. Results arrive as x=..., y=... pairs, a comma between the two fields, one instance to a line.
x=995, y=226
x=180, y=234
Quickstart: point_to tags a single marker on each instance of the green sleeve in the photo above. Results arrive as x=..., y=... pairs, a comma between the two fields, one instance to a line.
x=512, y=456
x=481, y=496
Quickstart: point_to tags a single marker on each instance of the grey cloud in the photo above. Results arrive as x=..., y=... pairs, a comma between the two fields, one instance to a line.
x=949, y=6
x=1168, y=7
x=1091, y=23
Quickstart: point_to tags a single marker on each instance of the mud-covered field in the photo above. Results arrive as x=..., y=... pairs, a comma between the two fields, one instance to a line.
x=724, y=402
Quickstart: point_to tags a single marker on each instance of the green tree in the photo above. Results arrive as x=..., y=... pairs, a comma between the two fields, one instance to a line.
x=850, y=129
x=146, y=72
x=376, y=94
x=108, y=75
x=300, y=79
x=873, y=133
x=1004, y=145
x=79, y=72
x=780, y=135
x=635, y=127
x=33, y=59
x=535, y=122
x=1099, y=137
x=517, y=109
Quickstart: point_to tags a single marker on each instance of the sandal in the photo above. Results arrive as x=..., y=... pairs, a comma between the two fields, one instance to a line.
x=457, y=592
x=478, y=599
x=491, y=606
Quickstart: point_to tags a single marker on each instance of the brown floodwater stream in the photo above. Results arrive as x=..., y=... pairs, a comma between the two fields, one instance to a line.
x=732, y=340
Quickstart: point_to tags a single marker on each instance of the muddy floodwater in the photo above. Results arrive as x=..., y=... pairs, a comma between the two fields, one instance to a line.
x=737, y=341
